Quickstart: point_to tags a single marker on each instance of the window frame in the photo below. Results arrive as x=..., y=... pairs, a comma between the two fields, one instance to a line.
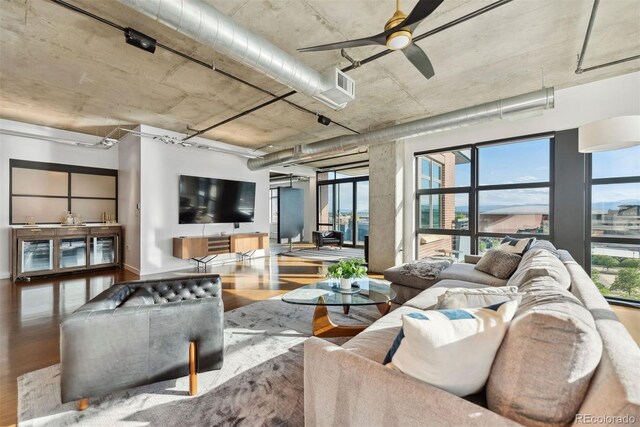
x=589, y=239
x=474, y=189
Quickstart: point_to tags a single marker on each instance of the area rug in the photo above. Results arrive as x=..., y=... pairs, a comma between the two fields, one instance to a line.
x=328, y=254
x=260, y=384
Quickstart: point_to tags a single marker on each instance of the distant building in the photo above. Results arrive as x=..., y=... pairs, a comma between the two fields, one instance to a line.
x=624, y=221
x=533, y=219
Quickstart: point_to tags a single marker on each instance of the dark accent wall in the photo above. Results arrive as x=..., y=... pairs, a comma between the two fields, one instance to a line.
x=569, y=221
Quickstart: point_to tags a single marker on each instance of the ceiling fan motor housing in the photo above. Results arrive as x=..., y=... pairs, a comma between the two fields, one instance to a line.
x=401, y=38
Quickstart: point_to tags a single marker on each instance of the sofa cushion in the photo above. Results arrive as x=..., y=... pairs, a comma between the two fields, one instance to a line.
x=475, y=298
x=543, y=368
x=515, y=245
x=467, y=272
x=547, y=246
x=427, y=299
x=395, y=275
x=374, y=342
x=498, y=263
x=540, y=263
x=434, y=346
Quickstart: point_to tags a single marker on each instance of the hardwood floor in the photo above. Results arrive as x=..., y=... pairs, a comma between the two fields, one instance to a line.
x=30, y=312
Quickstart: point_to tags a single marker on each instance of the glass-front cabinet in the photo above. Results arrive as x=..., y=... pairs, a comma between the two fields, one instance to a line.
x=38, y=251
x=73, y=252
x=36, y=256
x=103, y=250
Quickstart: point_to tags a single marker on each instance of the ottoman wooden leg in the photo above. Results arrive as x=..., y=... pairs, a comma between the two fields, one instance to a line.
x=193, y=375
x=82, y=404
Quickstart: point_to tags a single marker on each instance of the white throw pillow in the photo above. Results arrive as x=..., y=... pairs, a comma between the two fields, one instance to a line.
x=475, y=298
x=451, y=349
x=516, y=246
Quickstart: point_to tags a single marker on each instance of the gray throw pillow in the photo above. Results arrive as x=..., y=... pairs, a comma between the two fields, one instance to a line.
x=498, y=263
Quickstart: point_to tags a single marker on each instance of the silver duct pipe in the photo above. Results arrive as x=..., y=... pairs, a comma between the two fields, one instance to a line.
x=204, y=23
x=540, y=99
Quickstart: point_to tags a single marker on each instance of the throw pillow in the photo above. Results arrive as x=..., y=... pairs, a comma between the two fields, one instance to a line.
x=516, y=246
x=451, y=349
x=474, y=298
x=498, y=263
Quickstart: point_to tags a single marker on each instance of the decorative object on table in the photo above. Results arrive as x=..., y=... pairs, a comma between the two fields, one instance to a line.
x=347, y=270
x=30, y=221
x=67, y=219
x=427, y=268
x=354, y=289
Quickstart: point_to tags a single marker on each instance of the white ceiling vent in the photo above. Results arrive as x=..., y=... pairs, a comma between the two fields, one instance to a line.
x=342, y=88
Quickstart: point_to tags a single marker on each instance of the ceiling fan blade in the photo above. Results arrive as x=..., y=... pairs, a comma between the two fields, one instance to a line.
x=367, y=41
x=423, y=9
x=419, y=59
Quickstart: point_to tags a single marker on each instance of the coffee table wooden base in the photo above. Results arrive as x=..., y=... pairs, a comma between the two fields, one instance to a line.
x=324, y=327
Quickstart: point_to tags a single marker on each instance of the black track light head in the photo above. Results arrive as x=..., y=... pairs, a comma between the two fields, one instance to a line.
x=323, y=120
x=139, y=40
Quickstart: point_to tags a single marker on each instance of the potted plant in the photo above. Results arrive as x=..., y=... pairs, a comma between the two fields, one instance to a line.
x=347, y=270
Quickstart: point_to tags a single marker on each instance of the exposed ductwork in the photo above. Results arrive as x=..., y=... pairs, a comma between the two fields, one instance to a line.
x=204, y=23
x=538, y=100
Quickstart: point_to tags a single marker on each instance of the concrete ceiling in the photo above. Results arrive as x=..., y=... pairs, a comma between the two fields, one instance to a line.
x=61, y=69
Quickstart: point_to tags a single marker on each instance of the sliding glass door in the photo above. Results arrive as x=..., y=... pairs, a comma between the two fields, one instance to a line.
x=343, y=205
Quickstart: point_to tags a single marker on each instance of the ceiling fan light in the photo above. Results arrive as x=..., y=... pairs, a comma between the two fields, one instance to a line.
x=399, y=40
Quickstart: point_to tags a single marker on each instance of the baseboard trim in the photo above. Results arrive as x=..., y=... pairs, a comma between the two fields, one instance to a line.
x=131, y=269
x=5, y=275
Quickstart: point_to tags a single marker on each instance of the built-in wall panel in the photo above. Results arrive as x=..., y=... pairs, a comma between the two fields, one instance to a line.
x=43, y=192
x=91, y=210
x=39, y=182
x=39, y=209
x=89, y=185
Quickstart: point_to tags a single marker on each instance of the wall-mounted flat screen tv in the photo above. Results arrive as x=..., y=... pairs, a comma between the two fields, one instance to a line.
x=209, y=200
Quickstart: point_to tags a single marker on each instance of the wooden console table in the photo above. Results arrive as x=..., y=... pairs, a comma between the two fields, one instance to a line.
x=199, y=248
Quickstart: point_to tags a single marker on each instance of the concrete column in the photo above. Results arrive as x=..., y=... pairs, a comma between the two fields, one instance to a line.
x=385, y=205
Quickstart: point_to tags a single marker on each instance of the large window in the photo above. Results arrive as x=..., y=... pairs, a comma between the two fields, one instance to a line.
x=443, y=203
x=614, y=229
x=469, y=198
x=343, y=203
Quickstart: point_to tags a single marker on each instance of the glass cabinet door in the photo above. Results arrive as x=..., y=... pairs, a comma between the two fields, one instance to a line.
x=73, y=252
x=37, y=255
x=103, y=250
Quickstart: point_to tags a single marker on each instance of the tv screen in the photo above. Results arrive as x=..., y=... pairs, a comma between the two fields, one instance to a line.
x=209, y=200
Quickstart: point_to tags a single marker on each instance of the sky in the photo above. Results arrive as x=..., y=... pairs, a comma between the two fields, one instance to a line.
x=527, y=162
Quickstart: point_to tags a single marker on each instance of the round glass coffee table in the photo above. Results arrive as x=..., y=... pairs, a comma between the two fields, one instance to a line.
x=328, y=293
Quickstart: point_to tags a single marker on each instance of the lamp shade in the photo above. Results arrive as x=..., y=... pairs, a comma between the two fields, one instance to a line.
x=609, y=134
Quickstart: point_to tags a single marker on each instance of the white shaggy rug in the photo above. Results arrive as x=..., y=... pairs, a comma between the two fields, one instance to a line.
x=260, y=384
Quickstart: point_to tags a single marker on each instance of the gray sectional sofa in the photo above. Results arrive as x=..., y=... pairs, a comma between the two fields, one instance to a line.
x=566, y=359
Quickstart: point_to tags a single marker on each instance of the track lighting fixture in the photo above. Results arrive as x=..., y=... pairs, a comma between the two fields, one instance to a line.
x=323, y=120
x=139, y=40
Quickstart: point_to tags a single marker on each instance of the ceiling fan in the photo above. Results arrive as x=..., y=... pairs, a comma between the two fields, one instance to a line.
x=397, y=35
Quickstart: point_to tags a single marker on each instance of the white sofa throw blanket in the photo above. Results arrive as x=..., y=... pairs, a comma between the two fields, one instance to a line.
x=427, y=268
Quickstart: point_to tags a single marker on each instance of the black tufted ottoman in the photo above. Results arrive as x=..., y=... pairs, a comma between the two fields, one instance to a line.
x=141, y=332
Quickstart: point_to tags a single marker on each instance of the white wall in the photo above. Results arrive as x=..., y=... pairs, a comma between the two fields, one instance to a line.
x=23, y=148
x=574, y=107
x=161, y=167
x=129, y=199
